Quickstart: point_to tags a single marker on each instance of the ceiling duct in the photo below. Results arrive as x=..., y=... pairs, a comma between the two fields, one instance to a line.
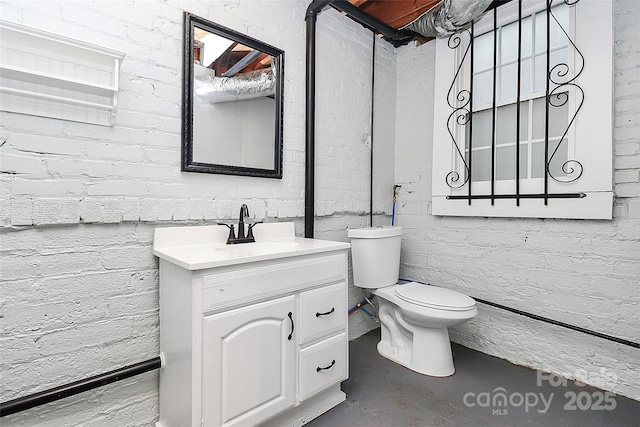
x=254, y=84
x=448, y=17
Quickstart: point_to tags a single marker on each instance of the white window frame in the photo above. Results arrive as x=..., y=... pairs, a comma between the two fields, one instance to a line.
x=590, y=137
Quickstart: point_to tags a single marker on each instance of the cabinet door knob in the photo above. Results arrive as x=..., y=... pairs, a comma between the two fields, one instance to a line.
x=292, y=325
x=318, y=369
x=327, y=313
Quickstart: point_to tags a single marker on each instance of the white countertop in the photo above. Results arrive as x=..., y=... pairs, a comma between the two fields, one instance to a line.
x=200, y=247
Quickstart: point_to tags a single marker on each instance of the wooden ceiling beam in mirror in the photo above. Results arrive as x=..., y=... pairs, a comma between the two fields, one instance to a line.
x=226, y=60
x=262, y=61
x=395, y=13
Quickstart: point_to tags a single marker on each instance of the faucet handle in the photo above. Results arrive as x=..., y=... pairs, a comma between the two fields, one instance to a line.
x=250, y=232
x=232, y=232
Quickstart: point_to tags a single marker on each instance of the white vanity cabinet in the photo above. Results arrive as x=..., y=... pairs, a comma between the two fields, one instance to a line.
x=261, y=342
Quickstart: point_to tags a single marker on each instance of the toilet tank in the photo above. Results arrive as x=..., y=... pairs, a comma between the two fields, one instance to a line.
x=375, y=253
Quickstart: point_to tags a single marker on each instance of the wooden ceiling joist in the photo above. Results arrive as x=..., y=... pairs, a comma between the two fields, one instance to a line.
x=395, y=13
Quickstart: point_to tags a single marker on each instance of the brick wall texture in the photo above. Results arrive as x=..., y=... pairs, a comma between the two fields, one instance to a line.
x=79, y=202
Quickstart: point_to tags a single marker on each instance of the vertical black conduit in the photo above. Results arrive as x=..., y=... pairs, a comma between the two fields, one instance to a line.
x=397, y=37
x=493, y=108
x=546, y=98
x=310, y=130
x=470, y=180
x=373, y=86
x=519, y=94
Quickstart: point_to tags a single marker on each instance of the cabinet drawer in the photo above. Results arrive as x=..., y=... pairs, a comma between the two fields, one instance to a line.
x=322, y=312
x=225, y=289
x=322, y=365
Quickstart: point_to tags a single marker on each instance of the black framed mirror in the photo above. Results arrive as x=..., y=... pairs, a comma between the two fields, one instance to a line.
x=231, y=102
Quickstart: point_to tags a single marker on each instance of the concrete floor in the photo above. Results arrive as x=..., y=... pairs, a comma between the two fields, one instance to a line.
x=381, y=393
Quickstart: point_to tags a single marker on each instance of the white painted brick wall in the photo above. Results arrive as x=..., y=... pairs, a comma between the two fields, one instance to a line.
x=384, y=131
x=78, y=294
x=584, y=273
x=78, y=301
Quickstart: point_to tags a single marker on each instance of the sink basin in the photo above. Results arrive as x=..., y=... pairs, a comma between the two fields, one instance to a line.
x=257, y=248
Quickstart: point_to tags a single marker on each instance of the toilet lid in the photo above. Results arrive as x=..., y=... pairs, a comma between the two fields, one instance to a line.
x=434, y=297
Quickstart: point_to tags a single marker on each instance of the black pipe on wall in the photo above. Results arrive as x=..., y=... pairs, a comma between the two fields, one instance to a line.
x=373, y=92
x=397, y=37
x=310, y=129
x=545, y=319
x=561, y=324
x=27, y=402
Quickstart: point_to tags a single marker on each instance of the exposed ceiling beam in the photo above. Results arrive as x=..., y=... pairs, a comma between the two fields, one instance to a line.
x=395, y=13
x=242, y=63
x=397, y=37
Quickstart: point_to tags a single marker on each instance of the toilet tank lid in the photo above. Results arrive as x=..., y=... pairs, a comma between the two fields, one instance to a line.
x=375, y=232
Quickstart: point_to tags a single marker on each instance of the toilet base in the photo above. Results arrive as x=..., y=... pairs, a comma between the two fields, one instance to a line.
x=433, y=354
x=421, y=349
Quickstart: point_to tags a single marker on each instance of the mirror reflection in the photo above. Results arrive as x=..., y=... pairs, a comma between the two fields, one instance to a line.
x=233, y=86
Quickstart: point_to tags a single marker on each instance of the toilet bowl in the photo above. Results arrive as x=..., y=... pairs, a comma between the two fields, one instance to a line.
x=414, y=317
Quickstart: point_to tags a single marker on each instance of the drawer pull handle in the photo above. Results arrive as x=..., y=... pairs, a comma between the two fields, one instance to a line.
x=292, y=325
x=318, y=369
x=327, y=313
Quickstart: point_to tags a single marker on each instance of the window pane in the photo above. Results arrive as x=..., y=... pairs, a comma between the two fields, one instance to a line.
x=541, y=32
x=483, y=52
x=558, y=116
x=558, y=38
x=537, y=160
x=525, y=77
x=524, y=161
x=524, y=121
x=481, y=165
x=508, y=81
x=540, y=70
x=559, y=57
x=558, y=159
x=540, y=73
x=539, y=112
x=482, y=129
x=482, y=88
x=527, y=36
x=506, y=123
x=506, y=163
x=509, y=43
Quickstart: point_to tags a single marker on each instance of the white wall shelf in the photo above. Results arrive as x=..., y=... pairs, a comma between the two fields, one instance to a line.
x=50, y=75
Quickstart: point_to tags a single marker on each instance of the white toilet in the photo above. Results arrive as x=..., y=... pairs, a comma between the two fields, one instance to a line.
x=414, y=317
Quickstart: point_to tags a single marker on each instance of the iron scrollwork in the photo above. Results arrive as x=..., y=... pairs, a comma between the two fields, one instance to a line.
x=559, y=96
x=461, y=114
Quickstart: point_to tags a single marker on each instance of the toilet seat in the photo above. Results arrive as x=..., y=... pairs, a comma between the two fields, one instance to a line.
x=434, y=297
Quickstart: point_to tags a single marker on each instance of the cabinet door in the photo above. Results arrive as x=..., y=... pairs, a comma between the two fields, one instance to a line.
x=249, y=363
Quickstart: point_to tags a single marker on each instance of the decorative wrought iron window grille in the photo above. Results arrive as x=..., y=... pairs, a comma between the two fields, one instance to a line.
x=520, y=132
